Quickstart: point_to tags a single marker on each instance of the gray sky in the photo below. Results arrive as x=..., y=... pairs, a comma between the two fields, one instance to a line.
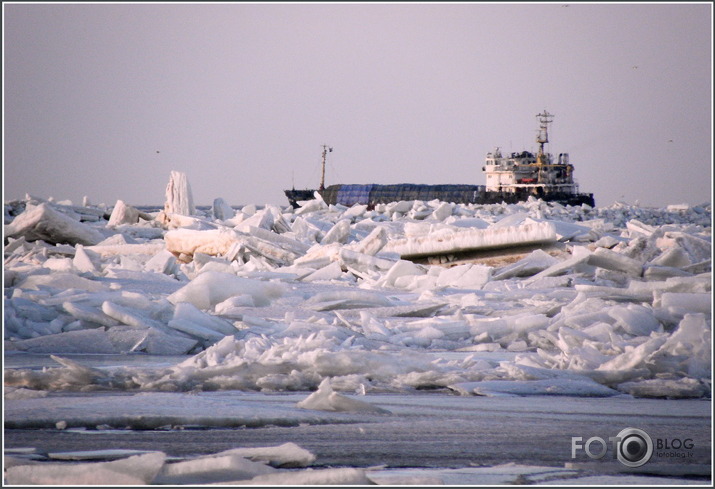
x=104, y=100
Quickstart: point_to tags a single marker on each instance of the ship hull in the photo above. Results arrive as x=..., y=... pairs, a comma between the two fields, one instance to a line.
x=373, y=194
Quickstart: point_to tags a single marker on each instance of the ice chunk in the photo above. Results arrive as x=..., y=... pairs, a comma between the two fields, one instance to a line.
x=634, y=357
x=535, y=262
x=15, y=393
x=512, y=220
x=635, y=319
x=85, y=260
x=356, y=211
x=442, y=212
x=210, y=288
x=280, y=240
x=57, y=264
x=42, y=222
x=308, y=206
x=465, y=276
x=285, y=455
x=123, y=214
x=153, y=341
x=554, y=386
x=339, y=233
x=347, y=299
x=612, y=260
x=670, y=388
x=698, y=249
x=329, y=272
x=135, y=470
x=689, y=348
x=566, y=231
x=188, y=314
x=339, y=476
x=179, y=199
x=211, y=469
x=673, y=257
x=400, y=270
x=472, y=239
x=108, y=454
x=372, y=243
x=106, y=250
x=196, y=330
x=221, y=210
x=61, y=281
x=276, y=248
x=364, y=262
x=232, y=307
x=162, y=262
x=89, y=313
x=419, y=309
x=468, y=222
x=325, y=399
x=656, y=273
x=574, y=262
x=81, y=341
x=686, y=302
x=262, y=219
x=636, y=228
x=131, y=317
x=211, y=241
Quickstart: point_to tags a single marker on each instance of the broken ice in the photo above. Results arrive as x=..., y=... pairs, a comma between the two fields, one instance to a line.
x=342, y=300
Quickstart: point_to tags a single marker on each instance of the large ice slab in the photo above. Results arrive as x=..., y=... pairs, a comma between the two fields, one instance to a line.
x=42, y=222
x=136, y=470
x=472, y=239
x=211, y=469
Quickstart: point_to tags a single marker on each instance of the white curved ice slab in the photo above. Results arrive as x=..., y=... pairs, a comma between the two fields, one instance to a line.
x=473, y=239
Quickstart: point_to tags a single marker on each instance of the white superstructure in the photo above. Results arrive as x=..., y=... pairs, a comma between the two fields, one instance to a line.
x=538, y=173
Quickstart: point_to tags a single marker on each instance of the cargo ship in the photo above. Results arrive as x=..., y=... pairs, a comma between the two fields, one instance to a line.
x=509, y=179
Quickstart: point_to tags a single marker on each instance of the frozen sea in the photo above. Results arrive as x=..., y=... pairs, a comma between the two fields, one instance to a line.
x=417, y=343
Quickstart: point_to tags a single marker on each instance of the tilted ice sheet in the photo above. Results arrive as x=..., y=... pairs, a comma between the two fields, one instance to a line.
x=464, y=240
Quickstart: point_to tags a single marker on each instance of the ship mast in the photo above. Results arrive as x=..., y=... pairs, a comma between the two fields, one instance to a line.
x=326, y=150
x=543, y=136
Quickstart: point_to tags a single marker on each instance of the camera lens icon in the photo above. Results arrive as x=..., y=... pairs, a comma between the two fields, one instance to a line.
x=634, y=447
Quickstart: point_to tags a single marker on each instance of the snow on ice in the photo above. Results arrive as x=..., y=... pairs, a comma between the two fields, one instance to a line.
x=474, y=300
x=619, y=298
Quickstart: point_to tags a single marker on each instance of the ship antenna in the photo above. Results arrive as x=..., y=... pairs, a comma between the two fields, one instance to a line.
x=326, y=150
x=543, y=137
